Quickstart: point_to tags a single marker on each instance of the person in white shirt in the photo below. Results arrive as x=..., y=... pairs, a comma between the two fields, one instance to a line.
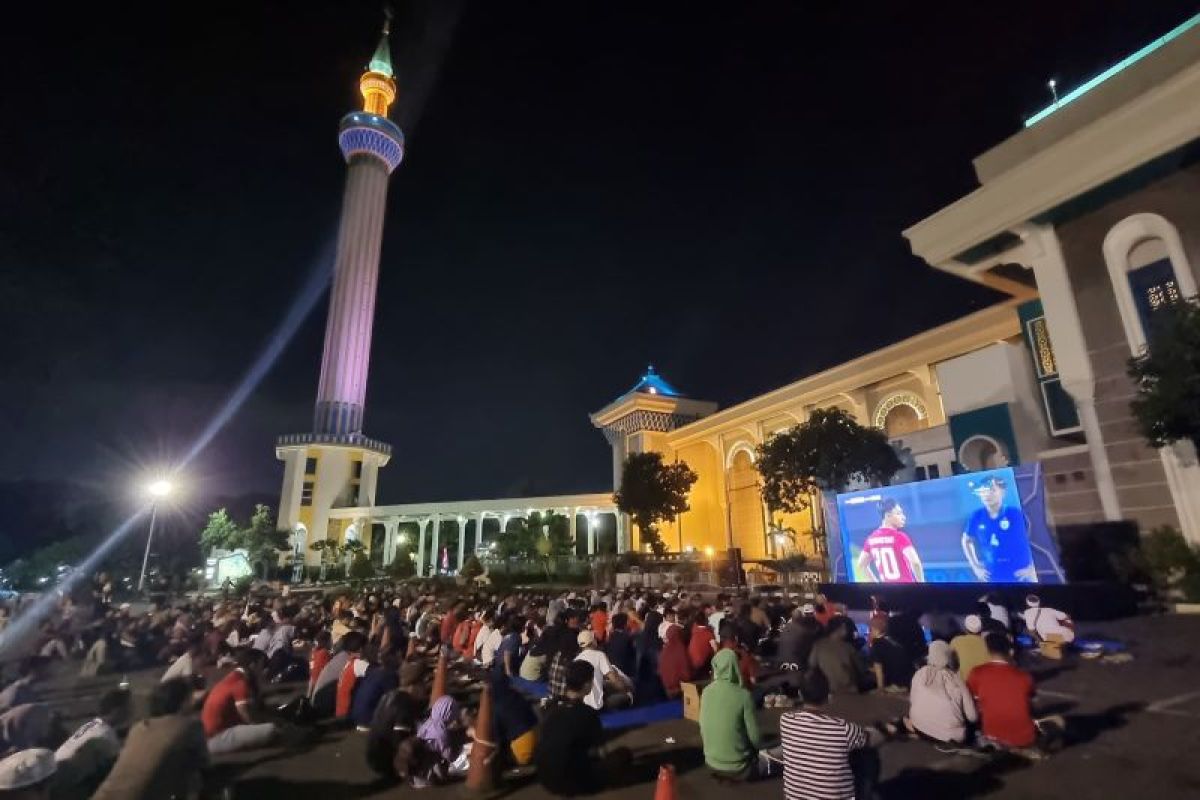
x=605, y=671
x=997, y=610
x=940, y=705
x=1047, y=624
x=88, y=754
x=489, y=644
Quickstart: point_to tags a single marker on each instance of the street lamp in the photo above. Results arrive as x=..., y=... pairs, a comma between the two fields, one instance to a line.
x=157, y=490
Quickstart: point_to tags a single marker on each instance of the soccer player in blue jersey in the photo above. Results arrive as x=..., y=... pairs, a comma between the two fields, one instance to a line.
x=994, y=539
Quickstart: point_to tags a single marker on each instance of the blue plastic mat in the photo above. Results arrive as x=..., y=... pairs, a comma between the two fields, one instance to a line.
x=536, y=688
x=628, y=718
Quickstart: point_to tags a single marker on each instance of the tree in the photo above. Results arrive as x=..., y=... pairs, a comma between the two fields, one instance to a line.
x=360, y=566
x=1167, y=377
x=653, y=492
x=471, y=568
x=824, y=454
x=220, y=533
x=262, y=539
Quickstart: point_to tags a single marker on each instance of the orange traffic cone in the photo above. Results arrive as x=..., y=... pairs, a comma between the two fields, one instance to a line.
x=481, y=775
x=665, y=790
x=439, y=680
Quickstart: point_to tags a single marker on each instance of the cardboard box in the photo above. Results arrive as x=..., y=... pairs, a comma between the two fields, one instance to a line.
x=691, y=698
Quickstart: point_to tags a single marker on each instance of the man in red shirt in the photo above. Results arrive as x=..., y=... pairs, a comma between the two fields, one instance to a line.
x=227, y=719
x=1004, y=695
x=702, y=644
x=888, y=555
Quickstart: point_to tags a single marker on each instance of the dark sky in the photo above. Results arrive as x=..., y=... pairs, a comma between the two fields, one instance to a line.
x=717, y=188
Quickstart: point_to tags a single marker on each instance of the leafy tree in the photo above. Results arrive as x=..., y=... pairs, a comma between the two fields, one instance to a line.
x=826, y=453
x=262, y=539
x=360, y=566
x=653, y=492
x=471, y=568
x=220, y=533
x=329, y=549
x=1167, y=377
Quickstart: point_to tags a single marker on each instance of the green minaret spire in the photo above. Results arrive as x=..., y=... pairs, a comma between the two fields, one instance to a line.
x=381, y=62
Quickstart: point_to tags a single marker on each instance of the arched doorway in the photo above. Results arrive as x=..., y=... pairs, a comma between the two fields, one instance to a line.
x=745, y=505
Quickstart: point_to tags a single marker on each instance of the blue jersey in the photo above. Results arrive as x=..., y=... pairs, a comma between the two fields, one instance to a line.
x=1000, y=542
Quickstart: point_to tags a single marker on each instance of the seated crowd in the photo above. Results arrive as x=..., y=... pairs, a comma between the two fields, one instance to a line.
x=405, y=668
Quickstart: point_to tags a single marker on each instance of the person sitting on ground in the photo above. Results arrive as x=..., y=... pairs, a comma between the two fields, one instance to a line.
x=562, y=650
x=1047, y=624
x=86, y=757
x=619, y=687
x=940, y=705
x=355, y=669
x=702, y=643
x=24, y=689
x=164, y=755
x=441, y=731
x=323, y=693
x=892, y=667
x=839, y=662
x=746, y=663
x=30, y=725
x=968, y=647
x=673, y=666
x=188, y=663
x=507, y=660
x=569, y=756
x=620, y=646
x=28, y=775
x=728, y=725
x=796, y=639
x=379, y=680
x=228, y=712
x=533, y=665
x=825, y=756
x=514, y=725
x=1003, y=695
x=318, y=658
x=997, y=611
x=394, y=720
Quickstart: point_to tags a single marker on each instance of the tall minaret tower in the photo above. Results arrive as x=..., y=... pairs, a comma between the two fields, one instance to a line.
x=336, y=465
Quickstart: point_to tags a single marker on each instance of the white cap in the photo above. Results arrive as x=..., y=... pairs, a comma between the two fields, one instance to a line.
x=973, y=623
x=26, y=768
x=1033, y=601
x=586, y=638
x=808, y=608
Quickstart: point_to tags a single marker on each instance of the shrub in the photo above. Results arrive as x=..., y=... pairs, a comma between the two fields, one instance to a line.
x=361, y=568
x=471, y=568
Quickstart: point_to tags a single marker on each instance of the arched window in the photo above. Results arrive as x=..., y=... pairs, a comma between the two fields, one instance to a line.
x=1149, y=271
x=982, y=452
x=900, y=413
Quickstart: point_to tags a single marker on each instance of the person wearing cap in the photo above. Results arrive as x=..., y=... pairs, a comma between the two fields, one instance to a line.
x=27, y=774
x=968, y=647
x=604, y=674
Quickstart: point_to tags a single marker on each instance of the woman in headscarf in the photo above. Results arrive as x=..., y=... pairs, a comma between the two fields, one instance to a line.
x=673, y=665
x=648, y=688
x=940, y=707
x=728, y=725
x=439, y=732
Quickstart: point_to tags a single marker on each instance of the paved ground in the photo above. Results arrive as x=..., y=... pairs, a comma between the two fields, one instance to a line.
x=1133, y=732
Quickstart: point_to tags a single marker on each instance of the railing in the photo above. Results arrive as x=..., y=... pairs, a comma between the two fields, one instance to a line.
x=343, y=439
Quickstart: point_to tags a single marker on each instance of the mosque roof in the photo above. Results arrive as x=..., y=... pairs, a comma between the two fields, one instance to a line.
x=653, y=383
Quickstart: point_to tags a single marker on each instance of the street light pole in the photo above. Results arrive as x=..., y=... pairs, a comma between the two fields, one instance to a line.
x=149, y=538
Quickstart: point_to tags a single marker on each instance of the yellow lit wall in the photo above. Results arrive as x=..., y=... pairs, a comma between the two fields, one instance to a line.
x=704, y=525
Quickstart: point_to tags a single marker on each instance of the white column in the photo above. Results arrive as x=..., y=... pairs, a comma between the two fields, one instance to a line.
x=479, y=531
x=462, y=540
x=574, y=512
x=591, y=533
x=421, y=548
x=623, y=543
x=389, y=540
x=1070, y=351
x=437, y=529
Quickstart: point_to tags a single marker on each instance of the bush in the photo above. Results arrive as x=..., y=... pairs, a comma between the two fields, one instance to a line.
x=361, y=568
x=1172, y=563
x=402, y=566
x=471, y=568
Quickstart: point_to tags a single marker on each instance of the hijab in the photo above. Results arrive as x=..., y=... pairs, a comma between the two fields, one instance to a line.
x=673, y=665
x=434, y=731
x=937, y=660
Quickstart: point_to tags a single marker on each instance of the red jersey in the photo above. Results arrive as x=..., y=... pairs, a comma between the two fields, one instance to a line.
x=886, y=548
x=600, y=625
x=1003, y=694
x=700, y=650
x=320, y=657
x=220, y=707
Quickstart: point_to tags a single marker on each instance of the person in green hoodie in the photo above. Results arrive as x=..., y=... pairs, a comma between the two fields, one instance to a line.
x=728, y=726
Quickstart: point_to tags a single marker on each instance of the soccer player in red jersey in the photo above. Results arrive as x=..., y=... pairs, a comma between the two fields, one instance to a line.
x=888, y=555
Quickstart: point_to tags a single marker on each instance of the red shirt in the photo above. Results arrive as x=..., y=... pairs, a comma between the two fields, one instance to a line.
x=600, y=625
x=1003, y=694
x=449, y=623
x=220, y=707
x=886, y=548
x=700, y=650
x=320, y=657
x=355, y=668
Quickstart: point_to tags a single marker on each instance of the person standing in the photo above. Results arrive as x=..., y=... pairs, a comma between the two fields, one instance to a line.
x=888, y=554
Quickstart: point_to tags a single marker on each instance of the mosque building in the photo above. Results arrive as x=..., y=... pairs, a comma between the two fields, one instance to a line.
x=1086, y=219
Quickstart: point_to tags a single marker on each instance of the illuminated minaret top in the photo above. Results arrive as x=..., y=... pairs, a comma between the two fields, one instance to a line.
x=373, y=146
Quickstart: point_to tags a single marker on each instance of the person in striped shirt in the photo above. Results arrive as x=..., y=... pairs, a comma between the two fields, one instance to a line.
x=826, y=757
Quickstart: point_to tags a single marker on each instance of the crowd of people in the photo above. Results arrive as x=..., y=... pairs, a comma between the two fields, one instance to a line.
x=405, y=667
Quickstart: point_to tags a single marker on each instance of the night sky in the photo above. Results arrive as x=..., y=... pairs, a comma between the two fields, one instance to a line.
x=716, y=188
